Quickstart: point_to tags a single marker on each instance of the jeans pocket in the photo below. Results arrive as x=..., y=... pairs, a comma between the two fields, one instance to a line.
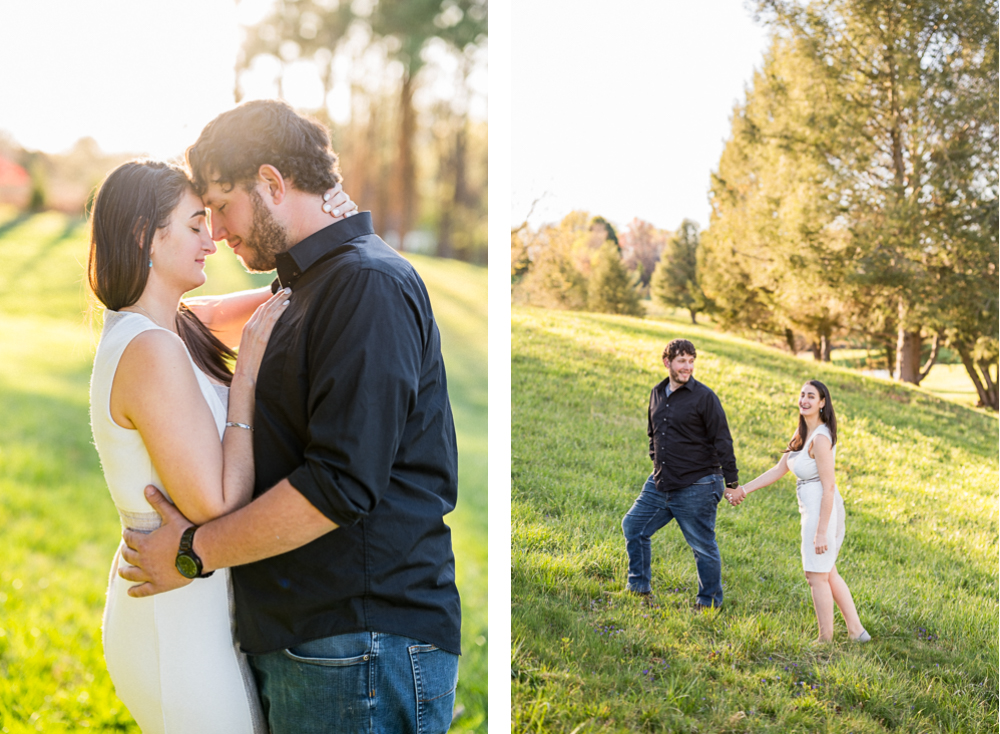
x=435, y=676
x=339, y=651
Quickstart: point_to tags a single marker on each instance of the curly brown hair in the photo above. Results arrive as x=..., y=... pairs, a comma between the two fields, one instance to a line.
x=237, y=143
x=678, y=346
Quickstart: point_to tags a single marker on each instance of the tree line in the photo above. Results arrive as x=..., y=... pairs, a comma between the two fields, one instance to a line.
x=420, y=168
x=856, y=197
x=857, y=193
x=584, y=263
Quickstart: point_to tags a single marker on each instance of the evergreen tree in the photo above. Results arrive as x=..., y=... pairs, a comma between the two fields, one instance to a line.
x=895, y=103
x=610, y=288
x=675, y=280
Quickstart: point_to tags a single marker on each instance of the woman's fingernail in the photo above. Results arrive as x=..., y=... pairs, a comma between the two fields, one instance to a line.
x=327, y=207
x=336, y=212
x=286, y=303
x=326, y=196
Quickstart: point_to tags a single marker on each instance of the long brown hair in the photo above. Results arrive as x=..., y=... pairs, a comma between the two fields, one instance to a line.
x=826, y=414
x=135, y=200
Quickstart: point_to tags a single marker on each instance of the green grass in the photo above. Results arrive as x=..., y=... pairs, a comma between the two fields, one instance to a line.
x=59, y=527
x=947, y=378
x=918, y=476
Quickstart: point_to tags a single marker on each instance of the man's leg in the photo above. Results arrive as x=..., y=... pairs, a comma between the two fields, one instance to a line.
x=695, y=507
x=649, y=513
x=358, y=682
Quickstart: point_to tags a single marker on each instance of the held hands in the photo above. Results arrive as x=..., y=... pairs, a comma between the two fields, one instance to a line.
x=151, y=557
x=820, y=543
x=338, y=204
x=736, y=496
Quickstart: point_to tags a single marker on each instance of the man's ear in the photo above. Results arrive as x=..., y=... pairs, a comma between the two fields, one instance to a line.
x=276, y=185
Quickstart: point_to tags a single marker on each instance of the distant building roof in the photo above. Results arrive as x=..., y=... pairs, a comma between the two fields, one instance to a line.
x=12, y=175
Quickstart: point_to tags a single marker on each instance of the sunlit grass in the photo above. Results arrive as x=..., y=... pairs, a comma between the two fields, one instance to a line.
x=948, y=381
x=60, y=529
x=918, y=476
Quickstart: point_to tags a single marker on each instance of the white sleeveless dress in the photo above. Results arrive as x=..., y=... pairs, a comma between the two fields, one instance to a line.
x=173, y=657
x=810, y=493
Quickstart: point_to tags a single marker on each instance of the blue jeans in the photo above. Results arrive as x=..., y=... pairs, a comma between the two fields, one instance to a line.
x=358, y=682
x=694, y=509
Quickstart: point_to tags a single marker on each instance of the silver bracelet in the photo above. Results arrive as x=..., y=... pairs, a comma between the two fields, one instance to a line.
x=239, y=425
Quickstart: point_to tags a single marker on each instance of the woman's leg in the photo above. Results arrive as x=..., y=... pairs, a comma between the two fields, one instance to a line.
x=842, y=596
x=822, y=596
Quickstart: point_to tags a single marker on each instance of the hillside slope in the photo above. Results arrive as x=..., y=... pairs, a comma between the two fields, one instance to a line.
x=919, y=480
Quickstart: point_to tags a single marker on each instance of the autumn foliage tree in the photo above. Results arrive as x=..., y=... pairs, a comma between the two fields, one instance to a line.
x=642, y=244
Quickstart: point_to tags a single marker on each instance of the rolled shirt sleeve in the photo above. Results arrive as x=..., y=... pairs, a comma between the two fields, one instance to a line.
x=365, y=362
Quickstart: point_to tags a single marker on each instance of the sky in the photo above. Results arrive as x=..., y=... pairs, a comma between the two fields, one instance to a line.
x=622, y=110
x=145, y=76
x=137, y=76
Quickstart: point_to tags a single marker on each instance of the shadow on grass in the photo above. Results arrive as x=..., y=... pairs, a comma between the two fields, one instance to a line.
x=14, y=223
x=45, y=249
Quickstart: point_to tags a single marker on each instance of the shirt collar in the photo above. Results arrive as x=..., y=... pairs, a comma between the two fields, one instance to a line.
x=300, y=257
x=689, y=385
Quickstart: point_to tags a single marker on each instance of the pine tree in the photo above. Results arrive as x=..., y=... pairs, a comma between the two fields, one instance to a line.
x=675, y=280
x=610, y=288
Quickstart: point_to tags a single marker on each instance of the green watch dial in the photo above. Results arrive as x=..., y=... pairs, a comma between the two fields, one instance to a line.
x=187, y=567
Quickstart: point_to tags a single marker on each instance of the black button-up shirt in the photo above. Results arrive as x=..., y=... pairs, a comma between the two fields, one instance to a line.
x=688, y=436
x=352, y=407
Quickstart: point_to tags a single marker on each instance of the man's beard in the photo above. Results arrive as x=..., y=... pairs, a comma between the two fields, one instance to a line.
x=266, y=239
x=677, y=378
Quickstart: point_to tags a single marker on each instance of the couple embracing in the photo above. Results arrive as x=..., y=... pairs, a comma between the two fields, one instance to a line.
x=690, y=443
x=294, y=513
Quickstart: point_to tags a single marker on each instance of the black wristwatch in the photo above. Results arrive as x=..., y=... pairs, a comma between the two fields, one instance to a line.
x=733, y=485
x=187, y=563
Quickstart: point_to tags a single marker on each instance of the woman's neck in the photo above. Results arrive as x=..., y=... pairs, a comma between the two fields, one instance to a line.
x=158, y=306
x=813, y=422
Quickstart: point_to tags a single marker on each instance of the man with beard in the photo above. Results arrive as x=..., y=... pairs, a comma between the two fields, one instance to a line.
x=342, y=565
x=691, y=449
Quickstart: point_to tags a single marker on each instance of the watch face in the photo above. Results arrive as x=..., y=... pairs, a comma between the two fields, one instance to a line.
x=187, y=567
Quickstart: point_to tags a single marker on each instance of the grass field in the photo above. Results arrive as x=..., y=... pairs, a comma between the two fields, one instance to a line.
x=919, y=480
x=59, y=527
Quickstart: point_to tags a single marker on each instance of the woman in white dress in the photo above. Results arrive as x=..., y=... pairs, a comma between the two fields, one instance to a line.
x=166, y=410
x=810, y=456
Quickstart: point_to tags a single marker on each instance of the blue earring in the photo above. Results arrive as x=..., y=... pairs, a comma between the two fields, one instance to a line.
x=150, y=262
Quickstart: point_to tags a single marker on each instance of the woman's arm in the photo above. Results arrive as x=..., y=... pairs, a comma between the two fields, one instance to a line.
x=226, y=315
x=155, y=391
x=736, y=496
x=769, y=477
x=823, y=451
